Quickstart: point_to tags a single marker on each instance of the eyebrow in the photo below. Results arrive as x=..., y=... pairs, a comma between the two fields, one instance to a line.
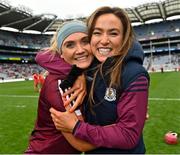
x=69, y=42
x=72, y=41
x=85, y=37
x=100, y=29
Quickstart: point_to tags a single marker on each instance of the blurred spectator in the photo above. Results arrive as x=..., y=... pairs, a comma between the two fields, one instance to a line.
x=36, y=82
x=162, y=69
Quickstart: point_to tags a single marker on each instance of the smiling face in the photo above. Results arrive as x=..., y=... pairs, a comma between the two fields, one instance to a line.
x=76, y=50
x=107, y=36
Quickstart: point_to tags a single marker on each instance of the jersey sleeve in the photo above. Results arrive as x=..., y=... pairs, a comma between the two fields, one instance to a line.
x=53, y=63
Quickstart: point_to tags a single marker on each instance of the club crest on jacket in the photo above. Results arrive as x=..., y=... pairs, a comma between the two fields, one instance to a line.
x=110, y=94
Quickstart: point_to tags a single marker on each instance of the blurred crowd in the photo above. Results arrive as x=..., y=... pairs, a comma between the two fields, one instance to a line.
x=16, y=71
x=166, y=62
x=13, y=39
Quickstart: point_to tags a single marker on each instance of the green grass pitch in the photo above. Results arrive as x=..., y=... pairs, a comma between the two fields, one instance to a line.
x=18, y=107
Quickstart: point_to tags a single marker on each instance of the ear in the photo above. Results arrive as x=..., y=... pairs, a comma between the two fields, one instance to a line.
x=62, y=56
x=60, y=53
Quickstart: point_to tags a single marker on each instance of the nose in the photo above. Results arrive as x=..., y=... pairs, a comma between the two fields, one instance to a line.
x=79, y=49
x=105, y=39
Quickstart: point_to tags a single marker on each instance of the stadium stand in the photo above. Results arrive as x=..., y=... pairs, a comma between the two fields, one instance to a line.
x=16, y=71
x=160, y=40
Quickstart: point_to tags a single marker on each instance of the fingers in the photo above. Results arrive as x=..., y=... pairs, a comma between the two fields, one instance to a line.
x=53, y=111
x=78, y=101
x=55, y=117
x=77, y=91
x=73, y=96
x=64, y=99
x=71, y=90
x=64, y=121
x=54, y=120
x=68, y=107
x=56, y=123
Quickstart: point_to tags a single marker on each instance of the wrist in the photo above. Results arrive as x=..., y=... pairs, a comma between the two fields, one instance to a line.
x=76, y=126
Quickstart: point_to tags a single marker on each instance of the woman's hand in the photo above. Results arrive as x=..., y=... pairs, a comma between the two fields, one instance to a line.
x=76, y=93
x=63, y=121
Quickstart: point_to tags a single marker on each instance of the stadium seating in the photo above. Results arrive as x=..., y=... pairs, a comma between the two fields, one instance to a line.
x=16, y=71
x=160, y=41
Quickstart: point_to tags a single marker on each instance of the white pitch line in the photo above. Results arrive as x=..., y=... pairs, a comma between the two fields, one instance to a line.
x=152, y=99
x=21, y=96
x=164, y=99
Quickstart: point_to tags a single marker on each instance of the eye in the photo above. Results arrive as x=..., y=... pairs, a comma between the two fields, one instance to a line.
x=70, y=45
x=95, y=32
x=114, y=33
x=85, y=41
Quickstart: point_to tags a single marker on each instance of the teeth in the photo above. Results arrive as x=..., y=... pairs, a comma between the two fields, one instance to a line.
x=81, y=58
x=104, y=51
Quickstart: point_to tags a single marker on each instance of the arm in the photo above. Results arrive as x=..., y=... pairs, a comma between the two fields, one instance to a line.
x=52, y=62
x=77, y=143
x=126, y=132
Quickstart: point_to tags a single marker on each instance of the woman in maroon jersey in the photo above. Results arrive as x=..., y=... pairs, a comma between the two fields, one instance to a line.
x=70, y=45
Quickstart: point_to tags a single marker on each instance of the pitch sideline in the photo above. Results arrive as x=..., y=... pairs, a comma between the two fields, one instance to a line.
x=20, y=96
x=152, y=99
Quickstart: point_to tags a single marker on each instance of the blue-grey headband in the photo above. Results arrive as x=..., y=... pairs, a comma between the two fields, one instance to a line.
x=69, y=28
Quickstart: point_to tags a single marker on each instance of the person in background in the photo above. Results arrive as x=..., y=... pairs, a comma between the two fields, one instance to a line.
x=162, y=69
x=70, y=45
x=117, y=88
x=42, y=77
x=36, y=82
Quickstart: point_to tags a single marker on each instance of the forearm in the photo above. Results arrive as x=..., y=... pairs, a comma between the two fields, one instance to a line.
x=75, y=142
x=78, y=143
